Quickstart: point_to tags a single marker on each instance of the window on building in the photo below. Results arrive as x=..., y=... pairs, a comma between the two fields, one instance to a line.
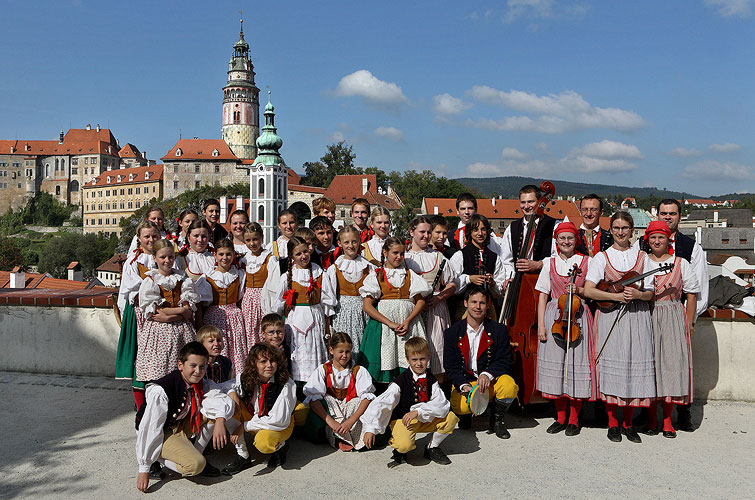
x=175, y=169
x=138, y=204
x=99, y=193
x=121, y=192
x=29, y=163
x=130, y=190
x=99, y=222
x=153, y=189
x=121, y=205
x=130, y=205
x=57, y=190
x=47, y=170
x=742, y=241
x=217, y=169
x=215, y=152
x=63, y=164
x=175, y=184
x=261, y=188
x=137, y=190
x=196, y=169
x=99, y=207
x=196, y=184
x=94, y=161
x=74, y=171
x=261, y=214
x=16, y=163
x=107, y=193
x=179, y=152
x=86, y=161
x=74, y=161
x=343, y=213
x=724, y=241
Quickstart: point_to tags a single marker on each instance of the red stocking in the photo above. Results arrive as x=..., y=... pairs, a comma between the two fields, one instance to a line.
x=561, y=410
x=668, y=408
x=611, y=411
x=575, y=405
x=628, y=413
x=652, y=416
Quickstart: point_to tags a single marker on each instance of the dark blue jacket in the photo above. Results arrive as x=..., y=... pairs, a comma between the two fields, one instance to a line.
x=493, y=356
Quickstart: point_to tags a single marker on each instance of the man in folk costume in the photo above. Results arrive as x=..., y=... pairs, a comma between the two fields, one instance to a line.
x=681, y=245
x=360, y=214
x=591, y=238
x=466, y=207
x=477, y=351
x=516, y=258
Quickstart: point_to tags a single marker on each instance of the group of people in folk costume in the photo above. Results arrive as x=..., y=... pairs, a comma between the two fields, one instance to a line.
x=348, y=335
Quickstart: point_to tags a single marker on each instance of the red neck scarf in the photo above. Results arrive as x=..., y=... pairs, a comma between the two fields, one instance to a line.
x=261, y=402
x=196, y=392
x=421, y=385
x=366, y=234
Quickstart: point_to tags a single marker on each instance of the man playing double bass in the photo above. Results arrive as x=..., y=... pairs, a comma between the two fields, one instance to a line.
x=592, y=239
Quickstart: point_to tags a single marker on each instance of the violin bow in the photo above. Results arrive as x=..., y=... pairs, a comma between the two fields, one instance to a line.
x=572, y=278
x=615, y=322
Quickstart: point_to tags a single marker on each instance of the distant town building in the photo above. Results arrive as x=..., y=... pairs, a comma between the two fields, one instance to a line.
x=733, y=266
x=723, y=217
x=725, y=240
x=193, y=163
x=344, y=189
x=115, y=195
x=706, y=202
x=109, y=272
x=132, y=157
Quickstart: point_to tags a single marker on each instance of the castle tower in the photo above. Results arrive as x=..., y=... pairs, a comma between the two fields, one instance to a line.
x=241, y=104
x=268, y=178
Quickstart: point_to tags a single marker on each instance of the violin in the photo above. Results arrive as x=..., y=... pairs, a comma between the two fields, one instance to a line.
x=627, y=279
x=569, y=308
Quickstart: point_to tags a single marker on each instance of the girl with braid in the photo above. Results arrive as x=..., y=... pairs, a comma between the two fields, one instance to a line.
x=394, y=298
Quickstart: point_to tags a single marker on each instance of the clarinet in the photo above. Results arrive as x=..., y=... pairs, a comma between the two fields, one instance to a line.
x=481, y=268
x=436, y=281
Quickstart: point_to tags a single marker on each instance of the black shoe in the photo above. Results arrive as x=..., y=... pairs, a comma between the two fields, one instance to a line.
x=210, y=471
x=572, y=430
x=631, y=434
x=398, y=459
x=156, y=471
x=501, y=431
x=465, y=422
x=649, y=431
x=239, y=463
x=278, y=458
x=684, y=418
x=497, y=415
x=556, y=427
x=614, y=434
x=437, y=455
x=669, y=434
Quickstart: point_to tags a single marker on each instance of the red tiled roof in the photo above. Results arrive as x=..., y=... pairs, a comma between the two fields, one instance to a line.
x=72, y=265
x=200, y=149
x=293, y=177
x=130, y=151
x=114, y=264
x=719, y=259
x=701, y=201
x=306, y=189
x=95, y=297
x=140, y=175
x=84, y=135
x=47, y=282
x=54, y=148
x=344, y=189
x=507, y=209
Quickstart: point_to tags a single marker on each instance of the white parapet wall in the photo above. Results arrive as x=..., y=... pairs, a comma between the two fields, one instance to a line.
x=65, y=340
x=723, y=353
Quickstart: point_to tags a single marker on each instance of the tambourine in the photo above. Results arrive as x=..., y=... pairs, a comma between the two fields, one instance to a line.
x=477, y=400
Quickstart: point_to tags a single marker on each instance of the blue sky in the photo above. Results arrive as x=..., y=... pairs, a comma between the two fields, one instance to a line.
x=642, y=93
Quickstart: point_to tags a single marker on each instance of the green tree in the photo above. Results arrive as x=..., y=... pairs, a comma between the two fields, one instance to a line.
x=10, y=254
x=338, y=160
x=89, y=250
x=413, y=186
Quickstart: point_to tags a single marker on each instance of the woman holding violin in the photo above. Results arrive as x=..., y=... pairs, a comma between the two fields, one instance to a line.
x=672, y=324
x=566, y=355
x=624, y=359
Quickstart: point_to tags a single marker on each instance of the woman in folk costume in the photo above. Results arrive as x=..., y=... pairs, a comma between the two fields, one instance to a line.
x=222, y=289
x=184, y=220
x=394, y=298
x=304, y=303
x=155, y=215
x=580, y=382
x=338, y=393
x=380, y=223
x=436, y=271
x=238, y=222
x=624, y=360
x=168, y=301
x=672, y=324
x=138, y=263
x=258, y=264
x=197, y=258
x=343, y=280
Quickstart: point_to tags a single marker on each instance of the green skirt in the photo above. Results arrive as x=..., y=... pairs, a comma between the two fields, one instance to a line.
x=369, y=353
x=125, y=357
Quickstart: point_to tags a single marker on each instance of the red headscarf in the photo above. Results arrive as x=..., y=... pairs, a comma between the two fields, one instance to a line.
x=565, y=227
x=657, y=226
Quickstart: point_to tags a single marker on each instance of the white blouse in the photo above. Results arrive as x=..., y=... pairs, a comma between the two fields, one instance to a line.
x=130, y=278
x=462, y=280
x=278, y=417
x=282, y=247
x=252, y=263
x=149, y=436
x=302, y=317
x=689, y=279
x=376, y=246
x=378, y=414
x=563, y=267
x=198, y=263
x=222, y=280
x=396, y=277
x=150, y=297
x=316, y=388
x=622, y=261
x=352, y=270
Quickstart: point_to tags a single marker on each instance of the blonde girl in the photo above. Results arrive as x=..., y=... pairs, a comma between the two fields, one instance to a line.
x=380, y=222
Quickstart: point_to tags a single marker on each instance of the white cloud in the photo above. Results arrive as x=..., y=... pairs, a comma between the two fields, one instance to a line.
x=558, y=113
x=729, y=147
x=711, y=170
x=730, y=8
x=364, y=84
x=542, y=9
x=337, y=136
x=685, y=152
x=543, y=147
x=532, y=168
x=391, y=133
x=513, y=154
x=447, y=104
x=610, y=149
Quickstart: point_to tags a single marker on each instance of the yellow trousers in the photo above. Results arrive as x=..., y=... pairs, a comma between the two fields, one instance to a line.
x=403, y=437
x=504, y=387
x=300, y=414
x=267, y=441
x=180, y=450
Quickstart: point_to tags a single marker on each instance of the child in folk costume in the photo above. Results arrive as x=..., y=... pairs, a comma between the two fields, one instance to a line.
x=287, y=226
x=303, y=302
x=178, y=407
x=168, y=301
x=258, y=264
x=238, y=222
x=439, y=236
x=211, y=213
x=155, y=215
x=360, y=214
x=184, y=219
x=325, y=252
x=412, y=403
x=223, y=289
x=624, y=361
x=338, y=393
x=196, y=259
x=434, y=269
x=580, y=382
x=219, y=367
x=380, y=222
x=672, y=324
x=265, y=397
x=343, y=280
x=477, y=264
x=135, y=269
x=399, y=294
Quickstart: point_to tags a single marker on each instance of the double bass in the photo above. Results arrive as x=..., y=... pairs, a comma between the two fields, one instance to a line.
x=519, y=312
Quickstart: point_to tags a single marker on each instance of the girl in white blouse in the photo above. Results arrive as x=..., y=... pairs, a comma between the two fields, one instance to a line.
x=345, y=389
x=380, y=222
x=259, y=264
x=197, y=258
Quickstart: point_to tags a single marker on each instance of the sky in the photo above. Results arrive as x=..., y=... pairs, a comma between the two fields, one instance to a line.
x=640, y=93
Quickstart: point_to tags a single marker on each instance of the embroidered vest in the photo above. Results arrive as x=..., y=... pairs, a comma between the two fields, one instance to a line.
x=178, y=397
x=389, y=291
x=172, y=297
x=142, y=269
x=258, y=278
x=409, y=396
x=347, y=393
x=301, y=292
x=606, y=240
x=471, y=260
x=346, y=287
x=367, y=254
x=543, y=236
x=224, y=296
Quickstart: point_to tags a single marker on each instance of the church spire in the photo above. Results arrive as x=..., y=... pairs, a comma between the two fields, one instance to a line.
x=269, y=142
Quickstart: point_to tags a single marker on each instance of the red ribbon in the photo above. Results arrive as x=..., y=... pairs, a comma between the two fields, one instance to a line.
x=137, y=252
x=290, y=297
x=380, y=271
x=670, y=247
x=366, y=234
x=312, y=285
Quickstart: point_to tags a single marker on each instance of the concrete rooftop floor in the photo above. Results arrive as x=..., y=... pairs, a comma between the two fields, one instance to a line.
x=73, y=437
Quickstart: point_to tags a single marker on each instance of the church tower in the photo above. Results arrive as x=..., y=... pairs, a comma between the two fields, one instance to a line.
x=241, y=104
x=268, y=178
